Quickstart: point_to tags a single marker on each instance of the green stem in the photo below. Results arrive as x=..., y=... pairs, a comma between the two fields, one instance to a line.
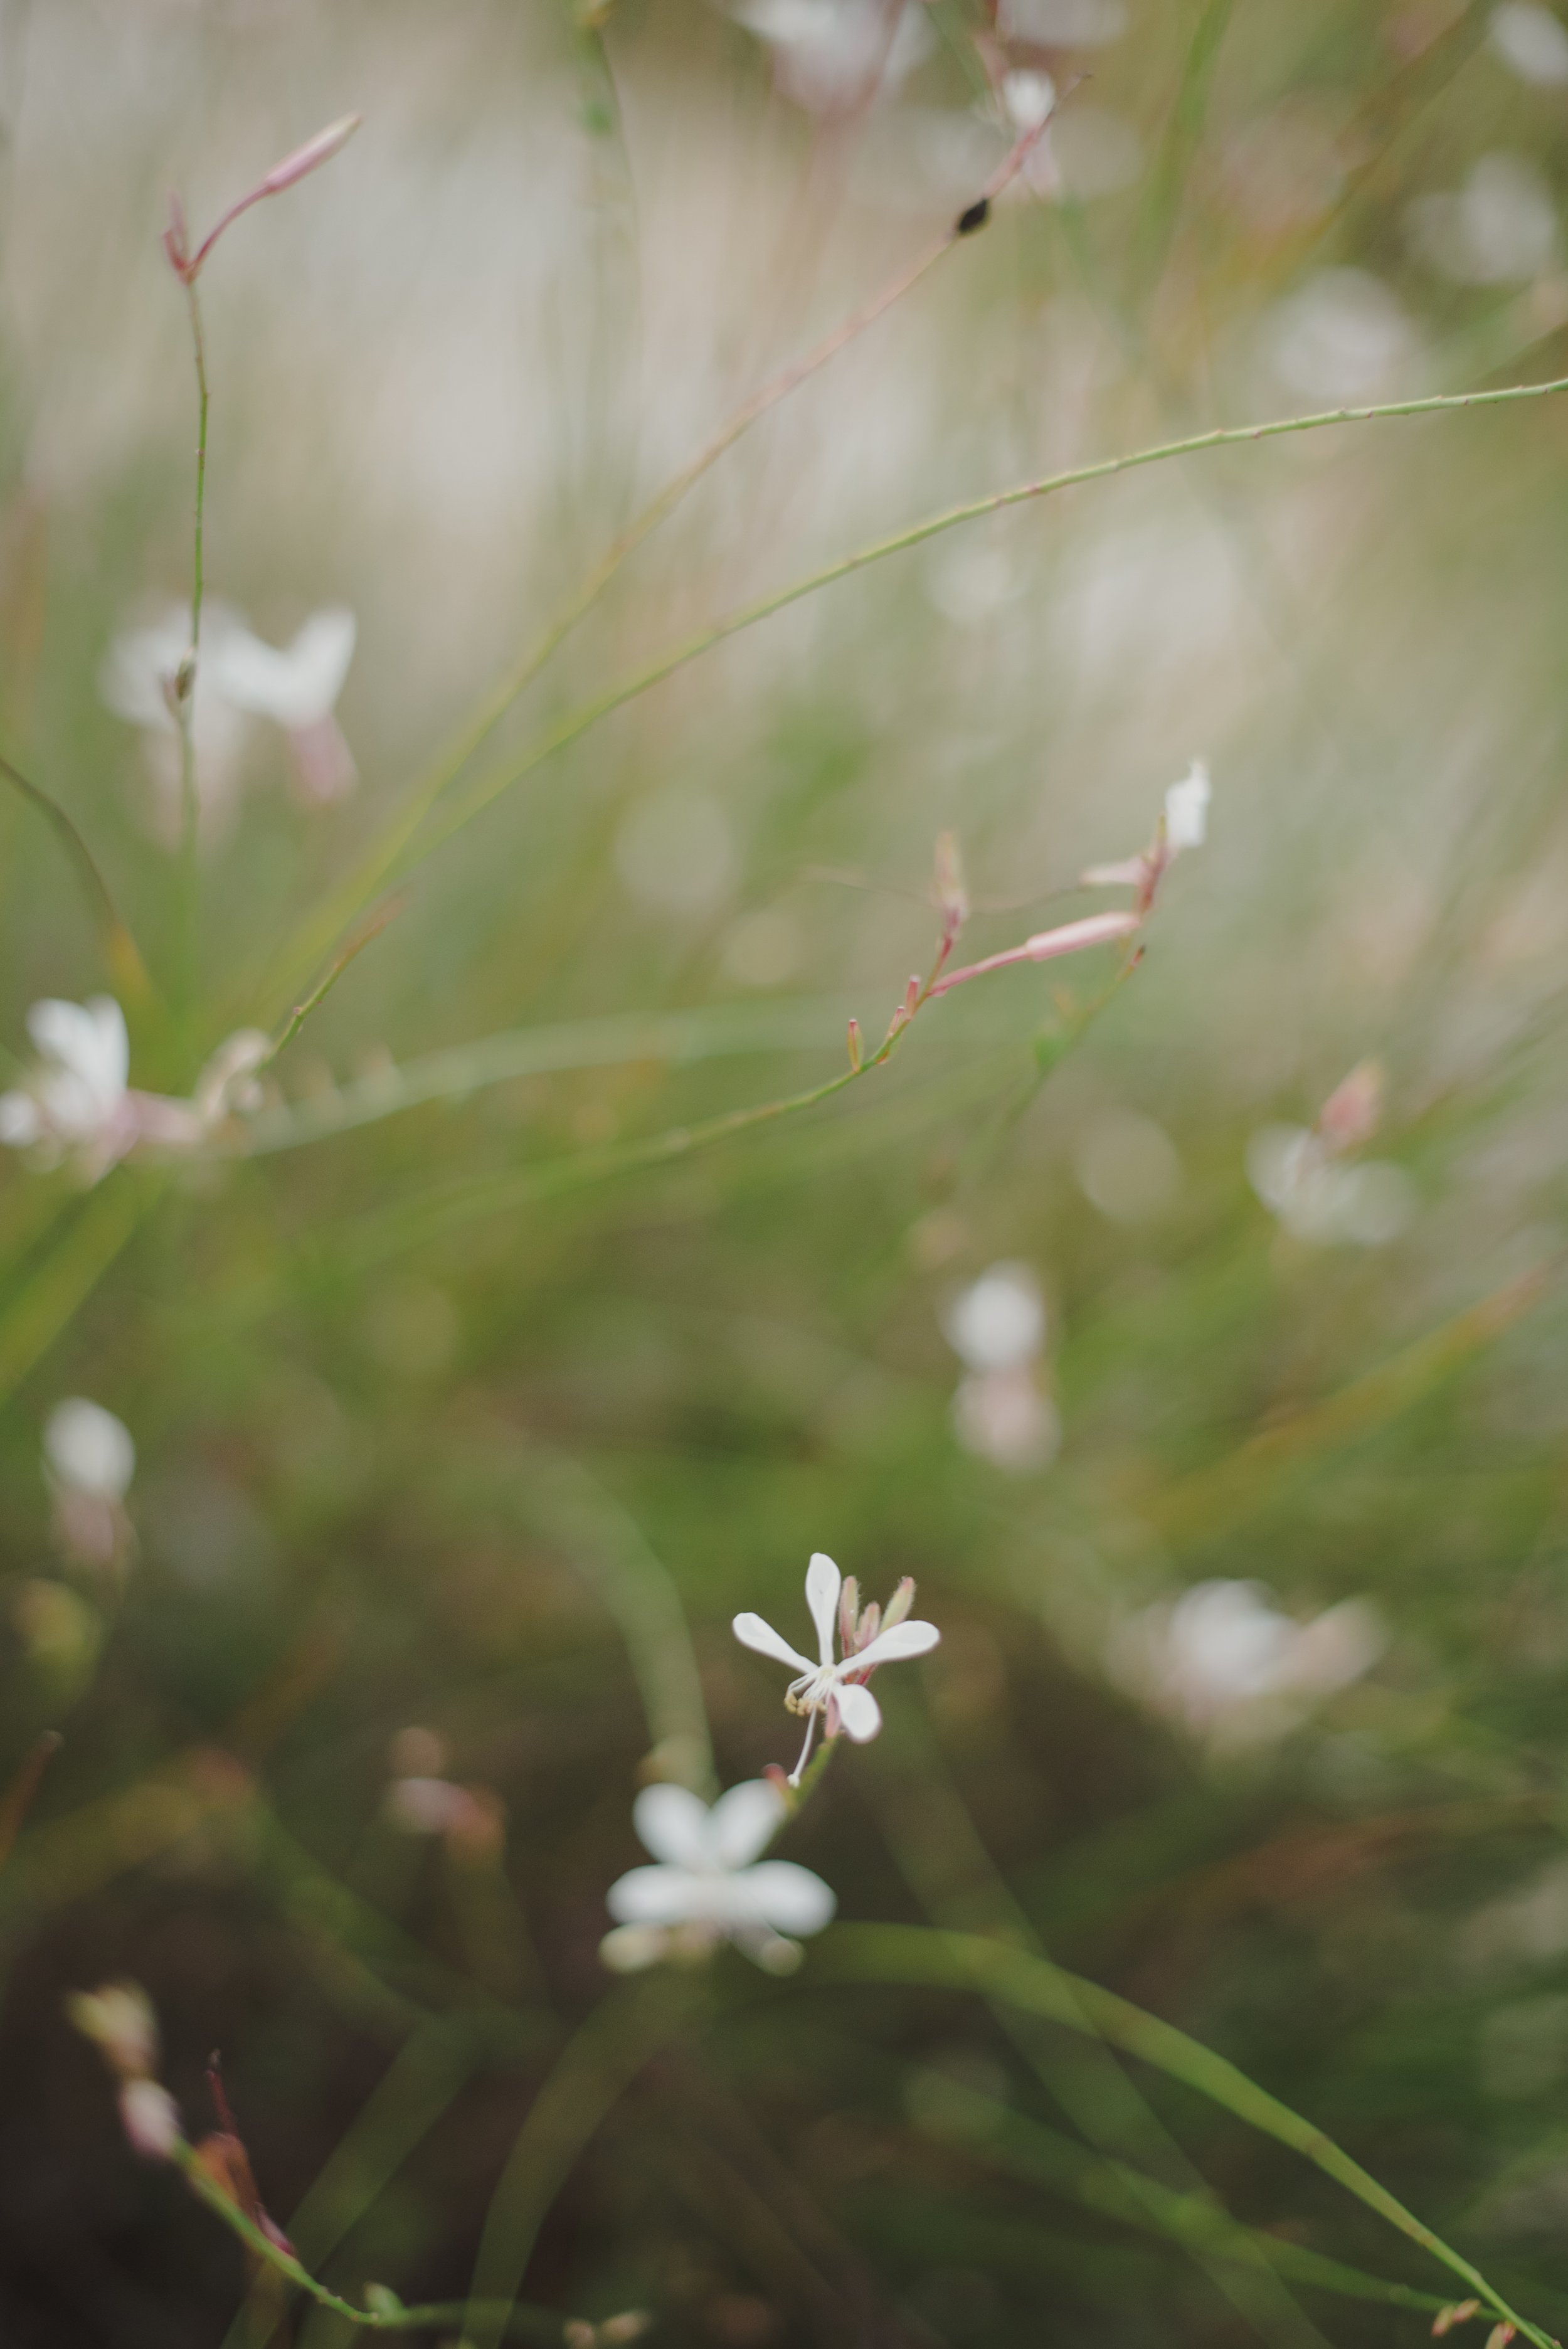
x=190, y=797
x=918, y=1954
x=321, y=929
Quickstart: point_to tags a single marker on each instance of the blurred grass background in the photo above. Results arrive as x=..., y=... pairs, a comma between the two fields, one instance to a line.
x=428, y=1437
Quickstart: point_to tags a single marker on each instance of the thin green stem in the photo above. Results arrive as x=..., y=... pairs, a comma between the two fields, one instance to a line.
x=317, y=933
x=920, y=1955
x=126, y=966
x=185, y=686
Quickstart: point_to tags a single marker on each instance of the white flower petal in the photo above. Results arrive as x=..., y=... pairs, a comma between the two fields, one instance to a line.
x=1187, y=808
x=665, y=1896
x=89, y=1449
x=86, y=1041
x=753, y=1632
x=743, y=1822
x=823, y=1581
x=858, y=1710
x=672, y=1823
x=789, y=1898
x=297, y=686
x=628, y=1949
x=902, y=1639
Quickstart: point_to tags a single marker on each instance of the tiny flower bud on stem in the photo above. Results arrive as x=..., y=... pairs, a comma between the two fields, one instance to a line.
x=293, y=167
x=856, y=1053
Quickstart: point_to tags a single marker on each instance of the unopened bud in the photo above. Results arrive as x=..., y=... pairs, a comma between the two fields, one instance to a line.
x=870, y=1625
x=901, y=1602
x=308, y=158
x=848, y=1613
x=1350, y=1115
x=856, y=1049
x=951, y=896
x=151, y=2119
x=1095, y=929
x=175, y=244
x=120, y=2021
x=1458, y=2312
x=1500, y=2336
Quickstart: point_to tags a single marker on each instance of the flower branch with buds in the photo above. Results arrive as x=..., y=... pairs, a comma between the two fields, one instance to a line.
x=834, y=1688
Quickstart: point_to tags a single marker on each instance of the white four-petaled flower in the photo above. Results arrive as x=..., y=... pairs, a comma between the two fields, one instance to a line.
x=709, y=1883
x=836, y=1687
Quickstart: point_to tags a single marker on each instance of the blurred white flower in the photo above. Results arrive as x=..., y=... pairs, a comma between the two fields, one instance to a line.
x=1227, y=1664
x=88, y=1450
x=471, y=1819
x=834, y=55
x=1319, y=1199
x=1027, y=98
x=1127, y=1167
x=89, y=1460
x=838, y=1689
x=297, y=689
x=1343, y=336
x=75, y=1105
x=1184, y=824
x=710, y=1883
x=1531, y=39
x=1499, y=229
x=998, y=1321
x=1187, y=808
x=137, y=682
x=151, y=2119
x=1005, y=1417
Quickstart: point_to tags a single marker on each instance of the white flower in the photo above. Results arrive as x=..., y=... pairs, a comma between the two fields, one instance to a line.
x=1027, y=98
x=137, y=682
x=998, y=1321
x=838, y=1689
x=297, y=689
x=709, y=1883
x=1187, y=808
x=151, y=2119
x=76, y=1105
x=832, y=54
x=1184, y=824
x=1225, y=1661
x=89, y=1450
x=1531, y=39
x=1296, y=1174
x=1005, y=1417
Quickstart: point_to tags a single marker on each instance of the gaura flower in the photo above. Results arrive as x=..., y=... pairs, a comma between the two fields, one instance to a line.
x=709, y=1883
x=1184, y=824
x=838, y=1689
x=1001, y=1411
x=89, y=1459
x=1229, y=1665
x=297, y=689
x=1300, y=1174
x=76, y=1105
x=830, y=55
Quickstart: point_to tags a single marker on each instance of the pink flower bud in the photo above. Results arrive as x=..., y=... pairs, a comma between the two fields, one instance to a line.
x=317, y=151
x=901, y=1602
x=151, y=2118
x=1095, y=929
x=1351, y=1113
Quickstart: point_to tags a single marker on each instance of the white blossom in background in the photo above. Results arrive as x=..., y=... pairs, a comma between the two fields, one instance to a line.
x=1532, y=41
x=1184, y=824
x=1500, y=228
x=710, y=1884
x=120, y=2023
x=137, y=682
x=837, y=1688
x=1029, y=98
x=1001, y=1412
x=75, y=1106
x=1228, y=1665
x=297, y=689
x=237, y=676
x=89, y=1459
x=1300, y=1173
x=1342, y=336
x=833, y=55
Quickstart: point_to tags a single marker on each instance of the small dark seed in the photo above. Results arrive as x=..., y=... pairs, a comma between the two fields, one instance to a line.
x=975, y=217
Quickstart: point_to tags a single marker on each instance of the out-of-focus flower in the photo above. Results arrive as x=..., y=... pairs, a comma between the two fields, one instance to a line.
x=236, y=676
x=120, y=2021
x=998, y=1323
x=1228, y=1665
x=1499, y=229
x=1342, y=336
x=1531, y=39
x=1127, y=1167
x=471, y=1819
x=710, y=1883
x=89, y=1459
x=838, y=1689
x=1184, y=824
x=1298, y=1172
x=998, y=1328
x=833, y=55
x=1028, y=97
x=297, y=687
x=75, y=1106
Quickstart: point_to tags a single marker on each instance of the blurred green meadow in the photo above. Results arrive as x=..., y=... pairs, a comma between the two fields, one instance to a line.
x=478, y=1375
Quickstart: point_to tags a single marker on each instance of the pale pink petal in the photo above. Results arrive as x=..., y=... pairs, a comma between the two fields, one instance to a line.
x=860, y=1712
x=753, y=1632
x=789, y=1898
x=823, y=1581
x=1094, y=930
x=744, y=1821
x=900, y=1639
x=672, y=1824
